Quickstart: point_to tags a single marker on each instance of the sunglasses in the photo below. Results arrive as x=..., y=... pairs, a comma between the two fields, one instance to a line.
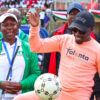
x=79, y=31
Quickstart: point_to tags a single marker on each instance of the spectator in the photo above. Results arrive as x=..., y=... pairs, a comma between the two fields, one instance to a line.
x=46, y=21
x=17, y=13
x=24, y=20
x=12, y=5
x=24, y=69
x=23, y=36
x=17, y=5
x=42, y=16
x=48, y=12
x=96, y=88
x=24, y=5
x=51, y=60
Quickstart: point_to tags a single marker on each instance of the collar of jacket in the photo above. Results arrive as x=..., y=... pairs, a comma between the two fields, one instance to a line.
x=61, y=30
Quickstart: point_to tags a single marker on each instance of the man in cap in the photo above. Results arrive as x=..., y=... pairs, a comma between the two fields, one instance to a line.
x=79, y=60
x=51, y=60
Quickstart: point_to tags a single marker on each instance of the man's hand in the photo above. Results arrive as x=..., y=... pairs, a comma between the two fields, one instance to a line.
x=33, y=19
x=10, y=87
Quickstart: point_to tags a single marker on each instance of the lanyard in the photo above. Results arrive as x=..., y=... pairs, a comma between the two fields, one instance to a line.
x=19, y=33
x=8, y=57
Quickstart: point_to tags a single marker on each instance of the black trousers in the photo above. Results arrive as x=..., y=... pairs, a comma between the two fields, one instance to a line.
x=96, y=89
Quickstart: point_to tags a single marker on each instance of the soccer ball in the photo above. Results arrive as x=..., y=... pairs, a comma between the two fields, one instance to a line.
x=47, y=86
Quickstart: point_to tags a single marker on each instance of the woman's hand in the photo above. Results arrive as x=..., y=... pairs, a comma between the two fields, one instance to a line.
x=33, y=19
x=11, y=87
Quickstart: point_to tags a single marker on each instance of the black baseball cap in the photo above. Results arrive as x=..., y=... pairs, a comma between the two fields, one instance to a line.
x=72, y=6
x=83, y=21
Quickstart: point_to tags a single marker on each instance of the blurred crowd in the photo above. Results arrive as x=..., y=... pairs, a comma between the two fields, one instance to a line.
x=24, y=3
x=43, y=6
